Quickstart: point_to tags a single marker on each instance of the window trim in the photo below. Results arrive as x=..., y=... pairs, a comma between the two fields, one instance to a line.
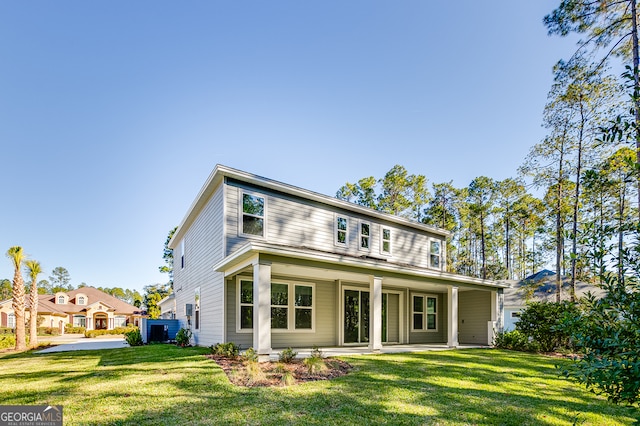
x=440, y=255
x=182, y=256
x=291, y=306
x=336, y=231
x=424, y=313
x=382, y=240
x=360, y=236
x=241, y=214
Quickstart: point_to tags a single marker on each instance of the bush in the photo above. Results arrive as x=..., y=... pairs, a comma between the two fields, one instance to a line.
x=250, y=355
x=115, y=331
x=6, y=330
x=183, y=337
x=314, y=364
x=229, y=350
x=50, y=331
x=514, y=340
x=7, y=341
x=71, y=329
x=133, y=337
x=544, y=323
x=287, y=356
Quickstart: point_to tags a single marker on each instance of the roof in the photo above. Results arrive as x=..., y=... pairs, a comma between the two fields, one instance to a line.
x=543, y=284
x=220, y=172
x=47, y=302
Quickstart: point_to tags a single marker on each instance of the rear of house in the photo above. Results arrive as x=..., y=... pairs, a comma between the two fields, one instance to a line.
x=269, y=265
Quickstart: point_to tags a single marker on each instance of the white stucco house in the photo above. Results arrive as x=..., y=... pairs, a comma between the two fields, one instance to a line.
x=269, y=265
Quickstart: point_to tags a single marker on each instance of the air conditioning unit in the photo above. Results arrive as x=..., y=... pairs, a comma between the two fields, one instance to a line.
x=188, y=309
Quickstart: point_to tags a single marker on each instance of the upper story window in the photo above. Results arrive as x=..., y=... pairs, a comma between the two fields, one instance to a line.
x=342, y=230
x=385, y=243
x=424, y=313
x=81, y=301
x=182, y=254
x=365, y=236
x=435, y=254
x=61, y=300
x=253, y=207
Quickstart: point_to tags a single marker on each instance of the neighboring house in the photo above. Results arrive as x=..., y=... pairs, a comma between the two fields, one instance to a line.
x=539, y=287
x=85, y=307
x=168, y=307
x=269, y=265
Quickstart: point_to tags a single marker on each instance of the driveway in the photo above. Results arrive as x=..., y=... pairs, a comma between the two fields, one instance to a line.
x=65, y=344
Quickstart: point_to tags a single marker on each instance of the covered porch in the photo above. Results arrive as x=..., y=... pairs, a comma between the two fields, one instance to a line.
x=278, y=297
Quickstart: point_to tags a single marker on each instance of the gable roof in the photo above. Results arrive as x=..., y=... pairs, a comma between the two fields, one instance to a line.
x=47, y=302
x=543, y=284
x=220, y=172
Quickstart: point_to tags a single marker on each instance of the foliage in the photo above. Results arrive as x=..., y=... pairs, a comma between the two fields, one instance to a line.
x=229, y=349
x=250, y=355
x=71, y=329
x=314, y=364
x=287, y=355
x=133, y=337
x=514, y=340
x=7, y=341
x=546, y=324
x=183, y=337
x=115, y=331
x=17, y=257
x=59, y=280
x=153, y=294
x=5, y=289
x=50, y=331
x=167, y=256
x=34, y=269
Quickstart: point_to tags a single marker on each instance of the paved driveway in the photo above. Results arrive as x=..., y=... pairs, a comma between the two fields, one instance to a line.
x=85, y=344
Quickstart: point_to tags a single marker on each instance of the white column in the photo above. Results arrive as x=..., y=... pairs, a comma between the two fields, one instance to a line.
x=375, y=314
x=262, y=309
x=452, y=316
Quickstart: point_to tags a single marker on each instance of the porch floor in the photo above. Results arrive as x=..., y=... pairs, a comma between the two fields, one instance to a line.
x=364, y=350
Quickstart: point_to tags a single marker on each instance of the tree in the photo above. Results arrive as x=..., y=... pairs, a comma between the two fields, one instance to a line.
x=34, y=270
x=167, y=256
x=394, y=198
x=481, y=196
x=17, y=256
x=60, y=279
x=153, y=293
x=5, y=289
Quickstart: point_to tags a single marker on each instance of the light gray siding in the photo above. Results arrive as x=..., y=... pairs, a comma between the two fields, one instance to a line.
x=393, y=317
x=474, y=312
x=203, y=243
x=326, y=314
x=303, y=223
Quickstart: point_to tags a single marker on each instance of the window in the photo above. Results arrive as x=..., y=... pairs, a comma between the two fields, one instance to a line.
x=246, y=304
x=385, y=246
x=365, y=236
x=197, y=308
x=79, y=321
x=60, y=300
x=81, y=300
x=291, y=306
x=119, y=321
x=515, y=314
x=182, y=254
x=342, y=225
x=424, y=313
x=253, y=208
x=435, y=254
x=11, y=320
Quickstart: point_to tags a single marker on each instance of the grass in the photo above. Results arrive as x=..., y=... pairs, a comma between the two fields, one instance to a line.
x=167, y=385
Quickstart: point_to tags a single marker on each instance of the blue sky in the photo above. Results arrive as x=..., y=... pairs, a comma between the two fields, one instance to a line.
x=113, y=114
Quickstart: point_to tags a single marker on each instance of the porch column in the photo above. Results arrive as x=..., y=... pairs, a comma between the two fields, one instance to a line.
x=262, y=309
x=452, y=316
x=375, y=314
x=496, y=325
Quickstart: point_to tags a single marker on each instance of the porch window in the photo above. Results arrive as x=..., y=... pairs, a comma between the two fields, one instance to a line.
x=253, y=207
x=79, y=321
x=246, y=304
x=435, y=254
x=424, y=313
x=120, y=321
x=342, y=225
x=304, y=307
x=279, y=306
x=365, y=235
x=385, y=245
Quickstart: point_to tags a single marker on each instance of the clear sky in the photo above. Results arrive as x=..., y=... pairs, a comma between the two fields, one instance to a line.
x=113, y=114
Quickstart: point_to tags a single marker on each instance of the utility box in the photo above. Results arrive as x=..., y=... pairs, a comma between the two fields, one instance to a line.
x=160, y=330
x=188, y=309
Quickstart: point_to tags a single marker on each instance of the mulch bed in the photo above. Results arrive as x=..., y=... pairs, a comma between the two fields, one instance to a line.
x=240, y=373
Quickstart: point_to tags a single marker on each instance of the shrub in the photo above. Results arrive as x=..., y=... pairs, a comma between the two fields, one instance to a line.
x=544, y=323
x=287, y=356
x=316, y=352
x=6, y=330
x=514, y=340
x=115, y=331
x=51, y=331
x=314, y=364
x=133, y=337
x=250, y=355
x=71, y=329
x=183, y=337
x=7, y=341
x=229, y=350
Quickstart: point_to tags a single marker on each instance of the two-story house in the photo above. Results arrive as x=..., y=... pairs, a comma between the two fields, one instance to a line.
x=270, y=265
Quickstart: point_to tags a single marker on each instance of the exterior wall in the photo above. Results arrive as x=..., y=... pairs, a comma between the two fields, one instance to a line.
x=438, y=336
x=304, y=223
x=474, y=312
x=326, y=315
x=393, y=317
x=509, y=320
x=203, y=243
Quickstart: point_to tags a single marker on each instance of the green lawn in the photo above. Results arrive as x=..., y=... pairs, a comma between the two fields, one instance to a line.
x=163, y=384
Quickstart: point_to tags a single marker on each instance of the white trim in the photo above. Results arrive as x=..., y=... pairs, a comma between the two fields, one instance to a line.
x=336, y=230
x=440, y=243
x=424, y=312
x=182, y=254
x=241, y=214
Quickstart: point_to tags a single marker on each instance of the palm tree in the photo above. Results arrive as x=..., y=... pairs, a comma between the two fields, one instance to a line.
x=17, y=256
x=34, y=270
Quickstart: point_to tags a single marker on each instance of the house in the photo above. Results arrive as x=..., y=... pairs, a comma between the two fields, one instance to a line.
x=85, y=307
x=539, y=287
x=168, y=307
x=269, y=265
